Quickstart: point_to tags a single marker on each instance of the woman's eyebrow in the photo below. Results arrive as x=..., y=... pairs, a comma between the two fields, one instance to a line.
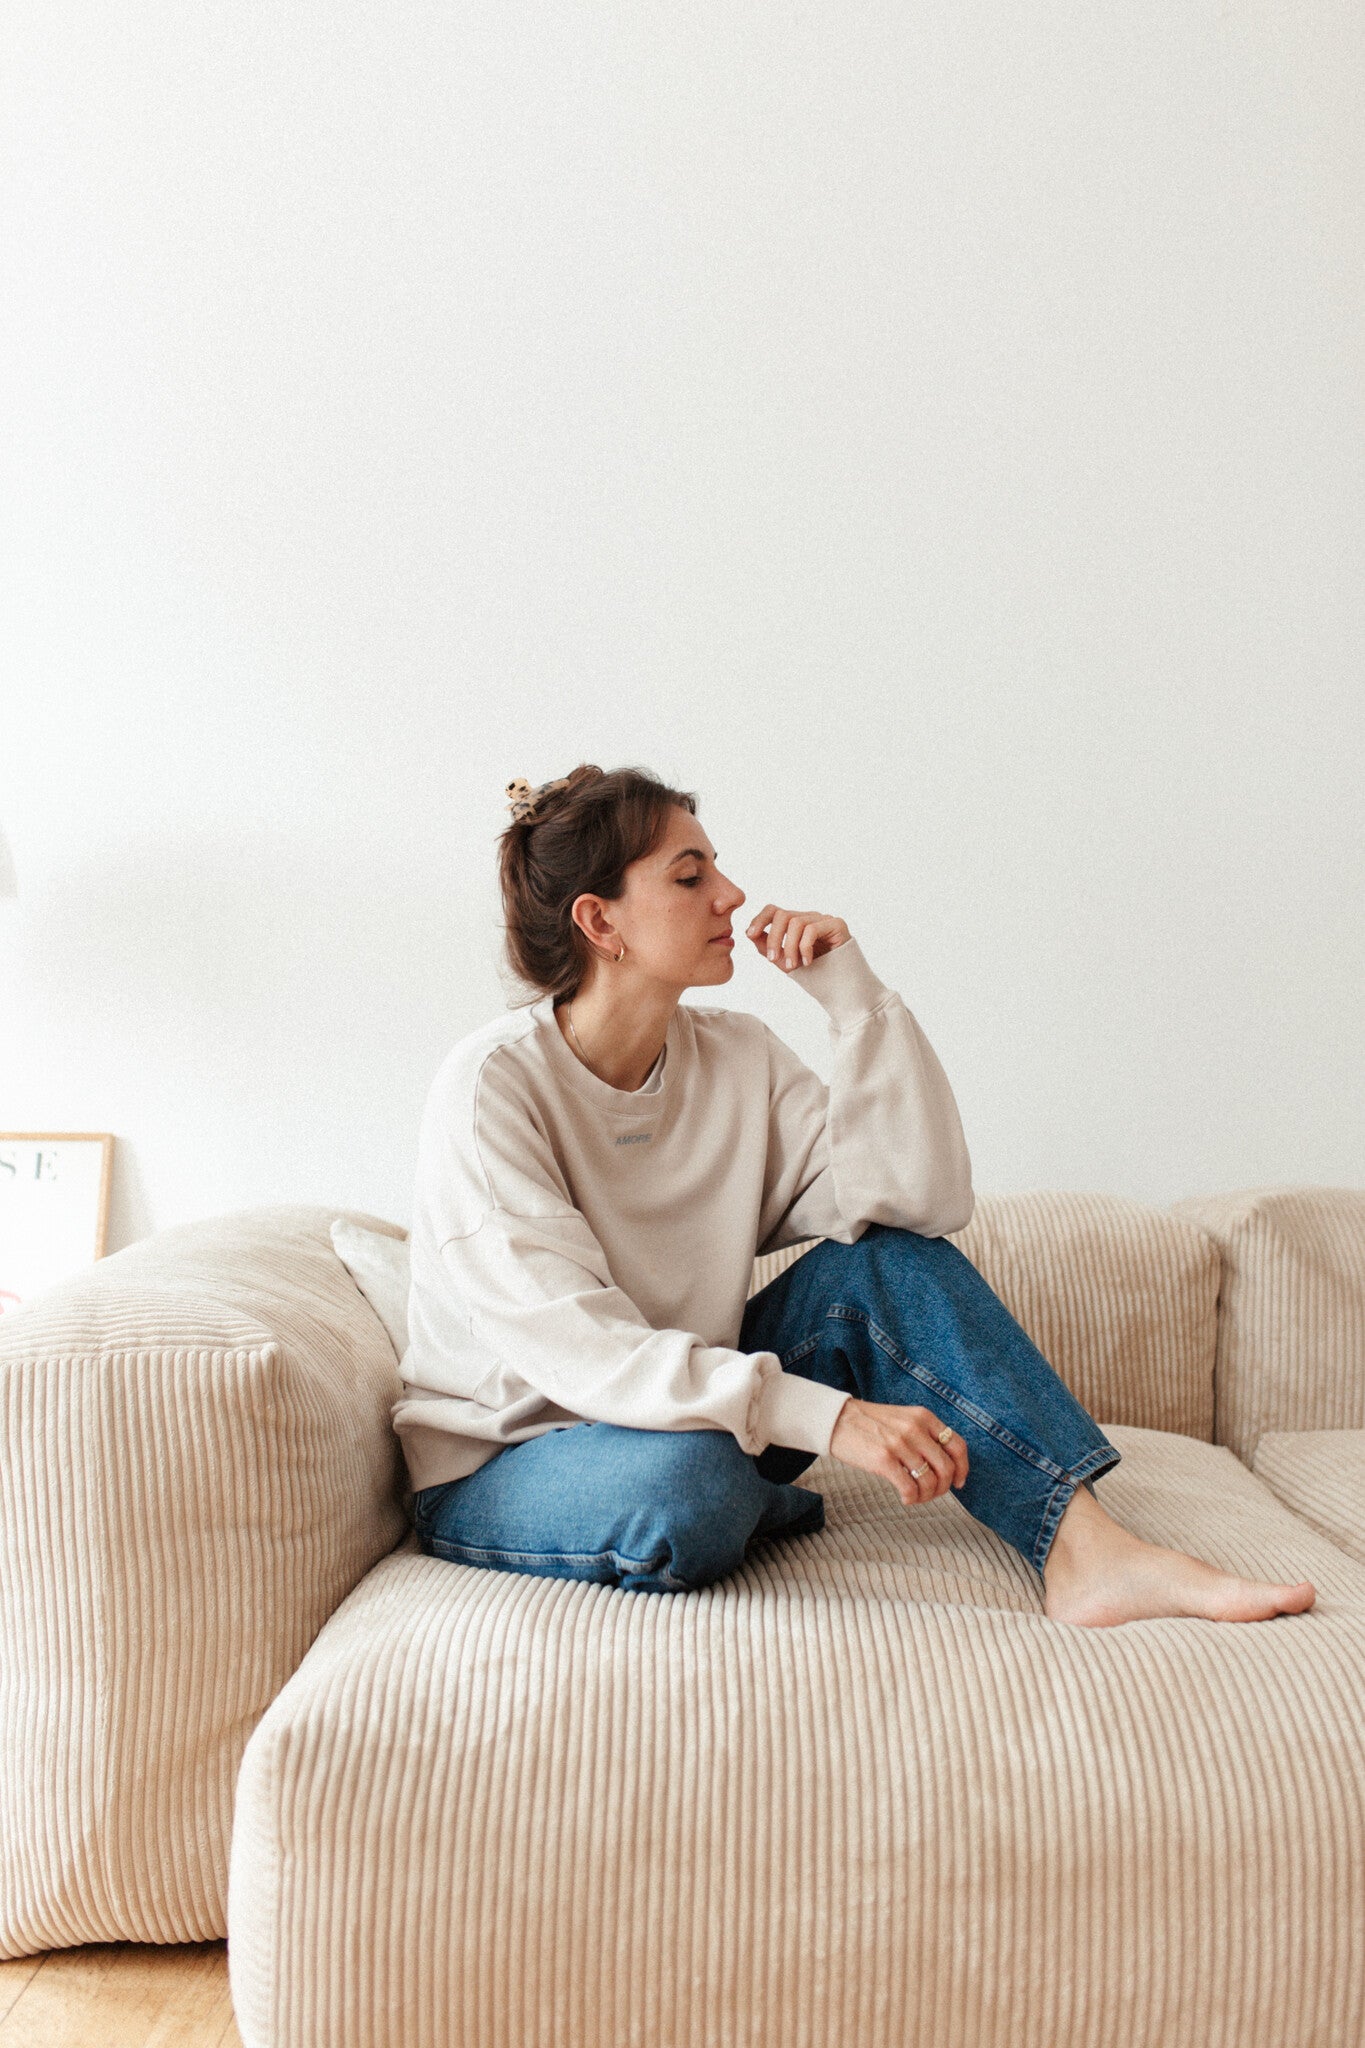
x=696, y=851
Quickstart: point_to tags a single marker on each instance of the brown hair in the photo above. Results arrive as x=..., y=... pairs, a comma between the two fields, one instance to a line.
x=581, y=839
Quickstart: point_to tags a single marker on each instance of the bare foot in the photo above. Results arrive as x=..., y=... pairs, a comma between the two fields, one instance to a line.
x=1098, y=1574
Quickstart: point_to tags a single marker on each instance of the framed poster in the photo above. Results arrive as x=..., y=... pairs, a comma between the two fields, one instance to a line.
x=54, y=1207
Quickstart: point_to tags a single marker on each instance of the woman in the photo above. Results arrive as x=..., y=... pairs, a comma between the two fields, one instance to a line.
x=589, y=1392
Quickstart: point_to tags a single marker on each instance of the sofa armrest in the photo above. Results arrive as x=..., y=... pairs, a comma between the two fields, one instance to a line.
x=197, y=1465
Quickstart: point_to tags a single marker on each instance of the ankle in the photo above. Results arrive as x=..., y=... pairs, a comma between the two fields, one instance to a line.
x=1084, y=1527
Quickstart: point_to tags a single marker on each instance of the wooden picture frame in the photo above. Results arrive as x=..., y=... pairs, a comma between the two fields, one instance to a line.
x=54, y=1208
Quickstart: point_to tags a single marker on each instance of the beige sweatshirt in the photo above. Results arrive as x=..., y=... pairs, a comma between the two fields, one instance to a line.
x=584, y=1253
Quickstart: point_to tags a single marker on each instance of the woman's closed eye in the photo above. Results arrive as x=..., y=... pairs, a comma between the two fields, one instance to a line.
x=688, y=881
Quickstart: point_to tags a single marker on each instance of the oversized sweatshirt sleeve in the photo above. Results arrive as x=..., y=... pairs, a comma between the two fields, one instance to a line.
x=531, y=1278
x=883, y=1142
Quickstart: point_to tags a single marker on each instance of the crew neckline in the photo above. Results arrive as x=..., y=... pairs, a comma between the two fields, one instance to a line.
x=647, y=1100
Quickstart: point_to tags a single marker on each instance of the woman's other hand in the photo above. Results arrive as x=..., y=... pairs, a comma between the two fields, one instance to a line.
x=887, y=1440
x=793, y=938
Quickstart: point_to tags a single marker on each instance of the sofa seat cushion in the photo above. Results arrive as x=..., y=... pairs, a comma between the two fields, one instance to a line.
x=1320, y=1474
x=861, y=1781
x=1291, y=1322
x=198, y=1465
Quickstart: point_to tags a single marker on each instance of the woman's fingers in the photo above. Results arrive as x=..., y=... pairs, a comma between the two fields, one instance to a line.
x=801, y=937
x=801, y=941
x=945, y=1467
x=955, y=1451
x=768, y=929
x=891, y=1440
x=794, y=938
x=757, y=926
x=935, y=1477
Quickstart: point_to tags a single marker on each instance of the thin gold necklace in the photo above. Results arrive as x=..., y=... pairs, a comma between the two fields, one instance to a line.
x=576, y=1039
x=579, y=1043
x=587, y=1063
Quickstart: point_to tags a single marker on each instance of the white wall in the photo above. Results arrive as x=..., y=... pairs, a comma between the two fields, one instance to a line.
x=933, y=434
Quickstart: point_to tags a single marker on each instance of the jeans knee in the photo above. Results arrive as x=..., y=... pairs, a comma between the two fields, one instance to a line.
x=712, y=1512
x=936, y=1262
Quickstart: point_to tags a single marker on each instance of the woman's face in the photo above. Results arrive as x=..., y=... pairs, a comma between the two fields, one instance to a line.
x=676, y=907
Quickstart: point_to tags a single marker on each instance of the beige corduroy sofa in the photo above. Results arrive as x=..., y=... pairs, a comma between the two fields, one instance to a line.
x=861, y=1793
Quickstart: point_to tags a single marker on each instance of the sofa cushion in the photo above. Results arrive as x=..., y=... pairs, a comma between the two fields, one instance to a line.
x=1320, y=1474
x=196, y=1465
x=379, y=1262
x=1121, y=1299
x=861, y=1784
x=1291, y=1333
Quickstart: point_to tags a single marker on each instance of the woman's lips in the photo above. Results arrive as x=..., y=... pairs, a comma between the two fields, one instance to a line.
x=723, y=939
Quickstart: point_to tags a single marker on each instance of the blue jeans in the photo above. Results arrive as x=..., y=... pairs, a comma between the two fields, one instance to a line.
x=894, y=1318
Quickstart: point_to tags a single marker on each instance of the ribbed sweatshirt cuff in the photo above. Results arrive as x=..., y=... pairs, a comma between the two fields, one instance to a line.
x=799, y=1413
x=843, y=984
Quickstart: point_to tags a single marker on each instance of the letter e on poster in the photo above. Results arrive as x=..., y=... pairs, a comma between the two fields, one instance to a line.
x=54, y=1207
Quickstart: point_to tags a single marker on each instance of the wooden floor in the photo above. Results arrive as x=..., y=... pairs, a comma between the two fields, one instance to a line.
x=119, y=1995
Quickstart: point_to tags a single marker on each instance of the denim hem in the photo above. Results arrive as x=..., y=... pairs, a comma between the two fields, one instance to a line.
x=1102, y=1459
x=543, y=1562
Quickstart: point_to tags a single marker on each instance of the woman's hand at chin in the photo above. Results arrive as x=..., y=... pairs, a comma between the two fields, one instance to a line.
x=793, y=938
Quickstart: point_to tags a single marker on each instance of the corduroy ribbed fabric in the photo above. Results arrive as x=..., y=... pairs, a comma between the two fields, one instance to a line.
x=1291, y=1317
x=669, y=1810
x=1320, y=1474
x=196, y=1465
x=862, y=1792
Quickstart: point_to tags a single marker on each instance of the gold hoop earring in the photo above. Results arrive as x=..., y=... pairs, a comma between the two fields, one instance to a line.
x=622, y=954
